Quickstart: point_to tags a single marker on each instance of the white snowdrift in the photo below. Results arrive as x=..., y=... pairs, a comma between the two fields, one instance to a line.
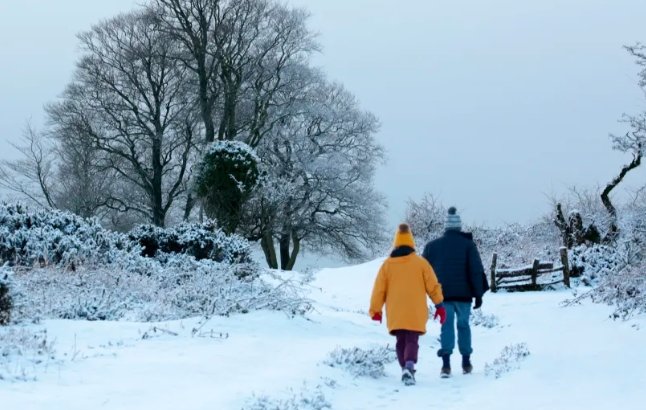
x=578, y=359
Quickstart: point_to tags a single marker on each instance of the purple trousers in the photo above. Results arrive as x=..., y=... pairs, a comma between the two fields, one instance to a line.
x=407, y=346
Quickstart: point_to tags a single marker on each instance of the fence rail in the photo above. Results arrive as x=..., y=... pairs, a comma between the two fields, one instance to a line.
x=501, y=278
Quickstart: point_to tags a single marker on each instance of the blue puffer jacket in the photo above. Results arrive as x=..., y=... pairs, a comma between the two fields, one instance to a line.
x=458, y=266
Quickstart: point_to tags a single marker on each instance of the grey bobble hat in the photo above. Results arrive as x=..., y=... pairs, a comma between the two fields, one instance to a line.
x=453, y=220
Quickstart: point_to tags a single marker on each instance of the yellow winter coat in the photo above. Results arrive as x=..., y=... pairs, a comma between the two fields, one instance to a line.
x=402, y=284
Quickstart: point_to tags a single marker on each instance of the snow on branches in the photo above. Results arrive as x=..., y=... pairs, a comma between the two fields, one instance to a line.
x=362, y=362
x=509, y=360
x=151, y=274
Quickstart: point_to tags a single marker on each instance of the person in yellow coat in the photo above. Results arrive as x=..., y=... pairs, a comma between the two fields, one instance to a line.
x=402, y=283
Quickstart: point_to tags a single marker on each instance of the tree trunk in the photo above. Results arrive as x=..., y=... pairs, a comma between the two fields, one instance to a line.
x=285, y=239
x=294, y=255
x=267, y=244
x=287, y=257
x=159, y=215
x=563, y=226
x=188, y=207
x=605, y=196
x=228, y=127
x=206, y=109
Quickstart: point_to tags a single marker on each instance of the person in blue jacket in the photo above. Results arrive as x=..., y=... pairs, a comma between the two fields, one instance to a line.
x=456, y=261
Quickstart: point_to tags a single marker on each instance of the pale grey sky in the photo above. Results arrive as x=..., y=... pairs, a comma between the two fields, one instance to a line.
x=491, y=105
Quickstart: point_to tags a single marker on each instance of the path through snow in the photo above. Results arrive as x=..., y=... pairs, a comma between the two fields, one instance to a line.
x=580, y=359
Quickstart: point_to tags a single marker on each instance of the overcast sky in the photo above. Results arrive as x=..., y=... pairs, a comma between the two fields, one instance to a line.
x=491, y=105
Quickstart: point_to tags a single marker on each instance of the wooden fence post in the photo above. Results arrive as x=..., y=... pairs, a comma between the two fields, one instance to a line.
x=494, y=260
x=535, y=271
x=566, y=267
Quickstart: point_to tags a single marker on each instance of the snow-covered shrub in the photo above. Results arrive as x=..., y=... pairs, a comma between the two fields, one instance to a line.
x=509, y=360
x=517, y=245
x=225, y=178
x=194, y=270
x=481, y=319
x=6, y=299
x=624, y=289
x=202, y=241
x=22, y=350
x=50, y=237
x=597, y=261
x=362, y=362
x=306, y=399
x=180, y=288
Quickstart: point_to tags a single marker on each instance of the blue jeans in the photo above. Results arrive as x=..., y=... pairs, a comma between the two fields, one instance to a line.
x=461, y=310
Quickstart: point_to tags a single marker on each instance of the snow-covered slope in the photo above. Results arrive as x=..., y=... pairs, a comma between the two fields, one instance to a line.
x=579, y=359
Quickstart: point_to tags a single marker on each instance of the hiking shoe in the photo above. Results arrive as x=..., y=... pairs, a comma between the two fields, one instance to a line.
x=408, y=377
x=467, y=367
x=445, y=373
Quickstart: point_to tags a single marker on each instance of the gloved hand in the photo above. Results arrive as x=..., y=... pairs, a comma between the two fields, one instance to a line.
x=440, y=312
x=377, y=317
x=478, y=303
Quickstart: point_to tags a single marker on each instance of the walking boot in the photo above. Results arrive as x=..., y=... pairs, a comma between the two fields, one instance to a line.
x=408, y=374
x=467, y=367
x=445, y=372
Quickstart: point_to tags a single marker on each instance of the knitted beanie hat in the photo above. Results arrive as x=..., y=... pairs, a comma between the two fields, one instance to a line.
x=453, y=220
x=403, y=237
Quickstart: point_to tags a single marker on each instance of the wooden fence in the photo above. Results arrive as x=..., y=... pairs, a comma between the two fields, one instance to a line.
x=505, y=278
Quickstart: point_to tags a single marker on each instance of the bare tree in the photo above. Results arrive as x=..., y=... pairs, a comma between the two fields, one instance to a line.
x=426, y=216
x=32, y=176
x=633, y=142
x=84, y=188
x=319, y=165
x=129, y=100
x=238, y=52
x=194, y=25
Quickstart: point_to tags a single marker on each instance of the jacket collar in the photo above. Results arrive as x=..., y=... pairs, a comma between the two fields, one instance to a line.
x=402, y=251
x=467, y=235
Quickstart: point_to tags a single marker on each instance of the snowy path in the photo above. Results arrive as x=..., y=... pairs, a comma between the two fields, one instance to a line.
x=579, y=359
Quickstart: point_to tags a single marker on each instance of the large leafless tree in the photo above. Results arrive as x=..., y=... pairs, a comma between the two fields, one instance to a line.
x=130, y=101
x=319, y=163
x=238, y=52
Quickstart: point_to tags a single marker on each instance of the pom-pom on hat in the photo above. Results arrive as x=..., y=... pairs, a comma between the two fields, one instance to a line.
x=453, y=220
x=404, y=237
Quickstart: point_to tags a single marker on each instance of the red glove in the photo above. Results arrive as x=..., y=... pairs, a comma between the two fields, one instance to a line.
x=377, y=317
x=440, y=312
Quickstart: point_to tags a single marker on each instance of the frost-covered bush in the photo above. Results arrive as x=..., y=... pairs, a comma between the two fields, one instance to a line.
x=517, y=245
x=306, y=399
x=597, y=261
x=21, y=351
x=202, y=241
x=624, y=289
x=182, y=287
x=481, y=319
x=195, y=269
x=50, y=237
x=6, y=295
x=509, y=360
x=362, y=362
x=225, y=178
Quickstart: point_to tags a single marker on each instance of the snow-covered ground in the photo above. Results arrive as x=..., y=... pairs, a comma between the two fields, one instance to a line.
x=579, y=359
